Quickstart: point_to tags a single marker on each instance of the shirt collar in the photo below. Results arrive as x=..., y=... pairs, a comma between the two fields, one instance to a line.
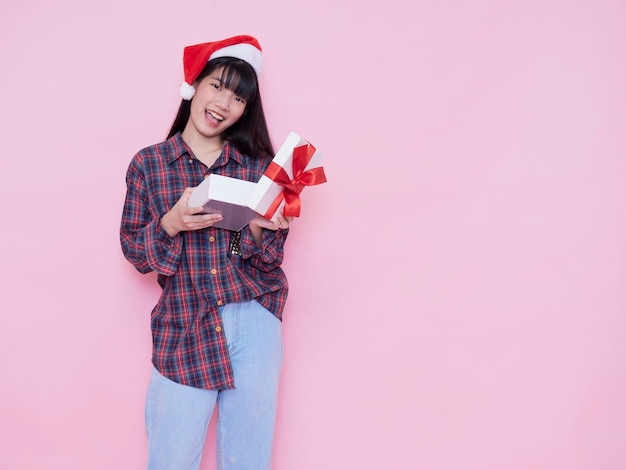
x=179, y=148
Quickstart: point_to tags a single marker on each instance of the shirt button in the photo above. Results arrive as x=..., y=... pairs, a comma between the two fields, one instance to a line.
x=211, y=239
x=219, y=302
x=218, y=328
x=213, y=271
x=191, y=160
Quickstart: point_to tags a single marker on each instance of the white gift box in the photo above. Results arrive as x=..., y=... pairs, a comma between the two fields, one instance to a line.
x=227, y=196
x=240, y=201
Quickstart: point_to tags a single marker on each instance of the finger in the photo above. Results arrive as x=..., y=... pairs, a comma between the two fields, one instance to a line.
x=284, y=217
x=203, y=219
x=214, y=218
x=265, y=223
x=284, y=221
x=193, y=210
x=184, y=203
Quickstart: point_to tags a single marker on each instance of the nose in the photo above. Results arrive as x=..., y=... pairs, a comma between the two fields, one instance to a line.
x=222, y=101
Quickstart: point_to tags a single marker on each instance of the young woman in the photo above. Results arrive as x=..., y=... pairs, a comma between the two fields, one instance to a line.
x=217, y=338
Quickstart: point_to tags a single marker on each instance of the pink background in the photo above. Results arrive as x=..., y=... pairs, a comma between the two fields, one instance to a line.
x=458, y=286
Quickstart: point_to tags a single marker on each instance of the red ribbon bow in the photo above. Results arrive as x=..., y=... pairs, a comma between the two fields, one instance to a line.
x=293, y=187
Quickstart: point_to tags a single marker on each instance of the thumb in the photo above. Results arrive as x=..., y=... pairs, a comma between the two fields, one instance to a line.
x=184, y=199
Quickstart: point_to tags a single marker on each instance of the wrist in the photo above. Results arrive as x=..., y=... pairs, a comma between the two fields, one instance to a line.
x=167, y=226
x=257, y=233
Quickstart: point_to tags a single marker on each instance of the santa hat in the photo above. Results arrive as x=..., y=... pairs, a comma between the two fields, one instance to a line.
x=195, y=58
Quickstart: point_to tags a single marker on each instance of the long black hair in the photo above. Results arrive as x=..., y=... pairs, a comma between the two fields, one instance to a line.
x=249, y=134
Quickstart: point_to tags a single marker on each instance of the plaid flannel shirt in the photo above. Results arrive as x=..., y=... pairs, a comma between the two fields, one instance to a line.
x=196, y=270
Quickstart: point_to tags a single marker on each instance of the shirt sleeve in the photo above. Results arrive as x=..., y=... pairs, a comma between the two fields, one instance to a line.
x=145, y=243
x=270, y=255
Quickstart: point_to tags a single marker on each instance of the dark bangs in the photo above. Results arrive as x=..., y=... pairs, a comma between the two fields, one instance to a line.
x=237, y=76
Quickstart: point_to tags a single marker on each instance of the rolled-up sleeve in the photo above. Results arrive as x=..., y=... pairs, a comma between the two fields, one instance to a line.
x=271, y=252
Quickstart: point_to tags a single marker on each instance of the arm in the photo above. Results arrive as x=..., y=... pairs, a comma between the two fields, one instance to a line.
x=150, y=242
x=145, y=242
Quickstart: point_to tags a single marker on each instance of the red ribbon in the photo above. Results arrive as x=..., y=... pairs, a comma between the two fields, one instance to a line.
x=293, y=187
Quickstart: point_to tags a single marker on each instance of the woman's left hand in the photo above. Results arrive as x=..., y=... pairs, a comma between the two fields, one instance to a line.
x=279, y=222
x=259, y=223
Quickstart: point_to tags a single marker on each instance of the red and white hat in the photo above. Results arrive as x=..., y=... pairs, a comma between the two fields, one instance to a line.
x=195, y=58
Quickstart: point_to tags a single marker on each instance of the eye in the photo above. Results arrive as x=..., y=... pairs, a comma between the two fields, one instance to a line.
x=240, y=99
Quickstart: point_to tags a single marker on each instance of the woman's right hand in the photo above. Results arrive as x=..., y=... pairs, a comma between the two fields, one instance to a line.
x=181, y=218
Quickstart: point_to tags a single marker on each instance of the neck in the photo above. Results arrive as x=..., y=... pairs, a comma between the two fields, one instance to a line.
x=205, y=149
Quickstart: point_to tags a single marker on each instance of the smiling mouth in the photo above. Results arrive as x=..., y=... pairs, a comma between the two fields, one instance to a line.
x=214, y=117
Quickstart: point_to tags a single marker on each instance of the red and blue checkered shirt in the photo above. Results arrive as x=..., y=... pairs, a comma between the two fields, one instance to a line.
x=197, y=270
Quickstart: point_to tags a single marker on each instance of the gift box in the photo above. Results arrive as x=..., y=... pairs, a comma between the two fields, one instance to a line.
x=227, y=196
x=295, y=166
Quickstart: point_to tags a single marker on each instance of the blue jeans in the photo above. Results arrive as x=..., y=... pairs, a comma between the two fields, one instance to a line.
x=177, y=416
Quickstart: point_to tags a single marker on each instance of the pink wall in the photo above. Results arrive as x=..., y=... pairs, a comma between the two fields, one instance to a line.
x=457, y=287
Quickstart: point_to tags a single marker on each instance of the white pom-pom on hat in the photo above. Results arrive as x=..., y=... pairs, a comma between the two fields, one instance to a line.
x=195, y=58
x=187, y=91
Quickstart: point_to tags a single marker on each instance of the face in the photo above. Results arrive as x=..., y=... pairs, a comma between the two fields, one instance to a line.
x=213, y=107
